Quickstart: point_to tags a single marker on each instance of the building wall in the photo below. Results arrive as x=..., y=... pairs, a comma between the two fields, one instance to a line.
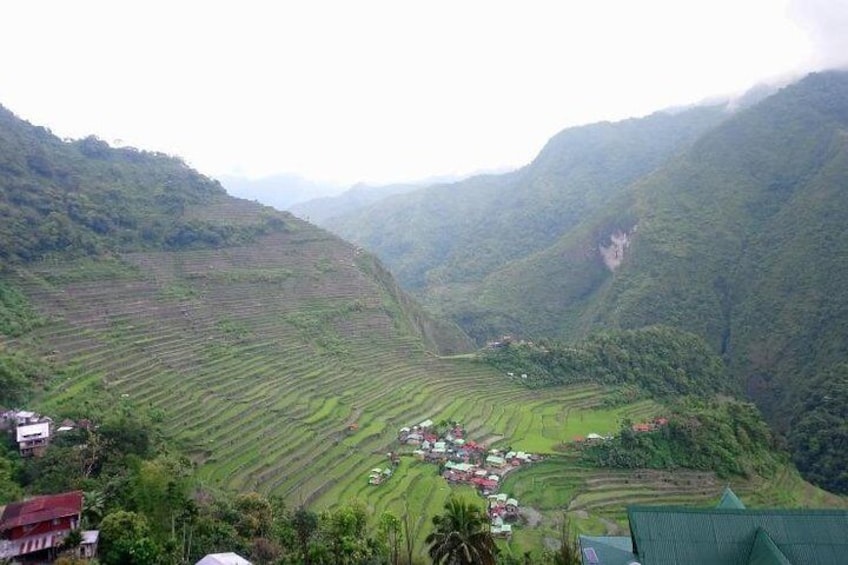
x=59, y=525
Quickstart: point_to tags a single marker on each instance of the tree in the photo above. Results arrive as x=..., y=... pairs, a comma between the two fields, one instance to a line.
x=389, y=532
x=305, y=524
x=569, y=551
x=9, y=489
x=255, y=515
x=344, y=532
x=71, y=541
x=93, y=506
x=125, y=539
x=461, y=535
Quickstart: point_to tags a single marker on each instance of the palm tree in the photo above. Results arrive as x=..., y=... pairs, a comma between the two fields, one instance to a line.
x=461, y=535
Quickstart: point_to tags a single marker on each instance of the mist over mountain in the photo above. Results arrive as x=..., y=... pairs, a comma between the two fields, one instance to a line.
x=279, y=191
x=319, y=210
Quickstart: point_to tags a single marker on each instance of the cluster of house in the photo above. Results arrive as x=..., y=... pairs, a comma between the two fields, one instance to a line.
x=651, y=426
x=502, y=511
x=464, y=461
x=33, y=531
x=33, y=431
x=452, y=446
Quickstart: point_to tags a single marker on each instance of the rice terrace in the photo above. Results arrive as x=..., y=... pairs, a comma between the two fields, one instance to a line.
x=288, y=382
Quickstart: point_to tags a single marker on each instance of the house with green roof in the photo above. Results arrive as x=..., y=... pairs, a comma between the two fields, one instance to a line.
x=727, y=534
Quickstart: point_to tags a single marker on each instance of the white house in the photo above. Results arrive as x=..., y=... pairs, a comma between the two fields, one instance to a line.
x=33, y=438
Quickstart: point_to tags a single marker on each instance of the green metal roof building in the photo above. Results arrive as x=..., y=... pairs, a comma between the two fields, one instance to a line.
x=727, y=535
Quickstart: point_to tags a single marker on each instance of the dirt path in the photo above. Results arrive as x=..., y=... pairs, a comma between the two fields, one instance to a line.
x=531, y=515
x=613, y=529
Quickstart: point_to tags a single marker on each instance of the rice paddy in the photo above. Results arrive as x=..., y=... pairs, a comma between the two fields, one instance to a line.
x=281, y=368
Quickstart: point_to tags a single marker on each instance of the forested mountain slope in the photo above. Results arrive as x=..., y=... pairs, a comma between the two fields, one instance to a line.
x=743, y=241
x=440, y=240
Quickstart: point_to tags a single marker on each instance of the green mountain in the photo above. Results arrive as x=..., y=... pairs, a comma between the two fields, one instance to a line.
x=742, y=241
x=319, y=210
x=731, y=229
x=440, y=240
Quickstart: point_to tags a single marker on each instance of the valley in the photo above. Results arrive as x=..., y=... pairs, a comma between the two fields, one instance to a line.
x=665, y=268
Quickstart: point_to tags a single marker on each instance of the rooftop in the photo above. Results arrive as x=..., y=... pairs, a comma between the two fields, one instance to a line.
x=668, y=535
x=33, y=431
x=40, y=509
x=229, y=558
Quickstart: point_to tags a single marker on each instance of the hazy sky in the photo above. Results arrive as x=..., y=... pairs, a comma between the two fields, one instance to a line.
x=361, y=90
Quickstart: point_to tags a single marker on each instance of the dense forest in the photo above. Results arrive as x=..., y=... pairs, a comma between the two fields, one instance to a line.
x=660, y=361
x=131, y=199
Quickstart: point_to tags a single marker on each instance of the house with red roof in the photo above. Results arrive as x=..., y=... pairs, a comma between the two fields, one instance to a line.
x=32, y=530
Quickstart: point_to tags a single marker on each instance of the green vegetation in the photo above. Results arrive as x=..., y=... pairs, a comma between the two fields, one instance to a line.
x=661, y=361
x=461, y=535
x=20, y=376
x=16, y=314
x=820, y=430
x=85, y=198
x=224, y=348
x=149, y=507
x=726, y=437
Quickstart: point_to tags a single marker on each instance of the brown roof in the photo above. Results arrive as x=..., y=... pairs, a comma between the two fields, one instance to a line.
x=41, y=509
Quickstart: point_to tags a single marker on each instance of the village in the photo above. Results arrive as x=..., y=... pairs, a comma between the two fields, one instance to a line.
x=462, y=461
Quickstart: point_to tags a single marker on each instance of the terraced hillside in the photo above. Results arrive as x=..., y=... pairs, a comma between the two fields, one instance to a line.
x=284, y=366
x=277, y=377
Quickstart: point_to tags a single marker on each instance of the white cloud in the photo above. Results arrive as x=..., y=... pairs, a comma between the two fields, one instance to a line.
x=375, y=90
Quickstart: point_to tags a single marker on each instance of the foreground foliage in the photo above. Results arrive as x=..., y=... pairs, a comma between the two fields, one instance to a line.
x=461, y=535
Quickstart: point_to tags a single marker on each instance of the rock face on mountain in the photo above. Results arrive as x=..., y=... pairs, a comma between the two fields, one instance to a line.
x=729, y=225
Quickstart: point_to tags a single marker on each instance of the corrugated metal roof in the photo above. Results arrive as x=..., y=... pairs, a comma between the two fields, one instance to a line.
x=765, y=552
x=603, y=550
x=714, y=536
x=729, y=500
x=41, y=509
x=223, y=559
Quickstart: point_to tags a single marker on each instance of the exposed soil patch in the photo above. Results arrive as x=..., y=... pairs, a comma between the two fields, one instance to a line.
x=532, y=516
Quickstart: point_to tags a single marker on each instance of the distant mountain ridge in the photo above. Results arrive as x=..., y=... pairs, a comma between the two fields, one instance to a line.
x=280, y=191
x=319, y=210
x=442, y=241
